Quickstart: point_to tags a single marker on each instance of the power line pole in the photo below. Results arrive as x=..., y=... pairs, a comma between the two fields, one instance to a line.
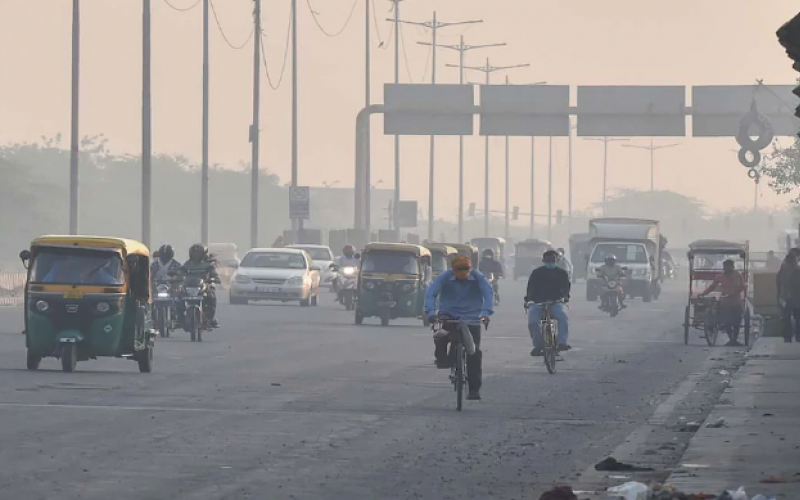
x=605, y=141
x=367, y=101
x=396, y=20
x=204, y=173
x=146, y=125
x=254, y=132
x=74, y=153
x=297, y=224
x=550, y=192
x=569, y=202
x=462, y=49
x=434, y=26
x=652, y=150
x=488, y=69
x=533, y=187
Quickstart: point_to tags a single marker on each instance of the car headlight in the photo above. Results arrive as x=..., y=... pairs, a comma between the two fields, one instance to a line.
x=192, y=291
x=103, y=307
x=42, y=306
x=242, y=279
x=297, y=280
x=369, y=285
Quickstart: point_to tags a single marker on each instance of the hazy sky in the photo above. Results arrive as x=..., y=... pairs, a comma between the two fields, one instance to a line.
x=576, y=42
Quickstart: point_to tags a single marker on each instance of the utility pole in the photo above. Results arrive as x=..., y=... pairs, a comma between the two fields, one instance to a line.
x=397, y=42
x=367, y=101
x=652, y=150
x=74, y=153
x=147, y=145
x=204, y=173
x=605, y=141
x=488, y=69
x=533, y=187
x=569, y=198
x=462, y=49
x=297, y=224
x=254, y=132
x=434, y=26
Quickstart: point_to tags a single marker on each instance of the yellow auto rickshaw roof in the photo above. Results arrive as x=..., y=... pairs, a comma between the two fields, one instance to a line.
x=441, y=247
x=128, y=247
x=463, y=246
x=417, y=250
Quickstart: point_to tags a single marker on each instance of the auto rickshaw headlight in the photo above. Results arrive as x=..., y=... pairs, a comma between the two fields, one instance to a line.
x=103, y=307
x=42, y=306
x=162, y=291
x=369, y=285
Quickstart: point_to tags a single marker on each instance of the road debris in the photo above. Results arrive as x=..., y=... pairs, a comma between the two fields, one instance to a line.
x=611, y=464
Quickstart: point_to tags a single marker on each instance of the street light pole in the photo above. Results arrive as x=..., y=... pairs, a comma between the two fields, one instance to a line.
x=74, y=153
x=254, y=132
x=462, y=48
x=605, y=141
x=434, y=26
x=488, y=69
x=147, y=144
x=396, y=21
x=297, y=224
x=652, y=150
x=204, y=168
x=367, y=101
x=550, y=192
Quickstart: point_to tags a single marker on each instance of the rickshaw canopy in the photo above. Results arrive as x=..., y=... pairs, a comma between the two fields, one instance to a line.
x=718, y=247
x=123, y=245
x=417, y=250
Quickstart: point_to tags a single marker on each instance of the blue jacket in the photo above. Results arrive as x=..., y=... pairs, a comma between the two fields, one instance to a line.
x=469, y=299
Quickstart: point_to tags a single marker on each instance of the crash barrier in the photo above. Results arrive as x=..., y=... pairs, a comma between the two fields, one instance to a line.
x=12, y=286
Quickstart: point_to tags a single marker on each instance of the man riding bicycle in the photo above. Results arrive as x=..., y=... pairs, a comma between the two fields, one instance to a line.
x=732, y=286
x=612, y=271
x=548, y=283
x=463, y=294
x=491, y=269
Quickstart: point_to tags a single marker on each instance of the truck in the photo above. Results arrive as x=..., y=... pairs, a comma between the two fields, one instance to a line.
x=635, y=244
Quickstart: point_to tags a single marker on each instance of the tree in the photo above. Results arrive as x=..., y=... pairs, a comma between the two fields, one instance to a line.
x=783, y=170
x=658, y=205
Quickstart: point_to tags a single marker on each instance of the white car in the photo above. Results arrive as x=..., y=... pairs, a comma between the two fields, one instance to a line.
x=322, y=257
x=276, y=274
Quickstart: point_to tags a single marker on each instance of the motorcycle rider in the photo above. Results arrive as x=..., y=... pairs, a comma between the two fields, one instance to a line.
x=464, y=294
x=198, y=262
x=348, y=258
x=563, y=262
x=548, y=283
x=491, y=268
x=732, y=285
x=163, y=264
x=612, y=271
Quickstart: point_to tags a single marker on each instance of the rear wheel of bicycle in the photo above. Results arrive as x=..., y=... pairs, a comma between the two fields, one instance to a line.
x=711, y=329
x=550, y=347
x=459, y=375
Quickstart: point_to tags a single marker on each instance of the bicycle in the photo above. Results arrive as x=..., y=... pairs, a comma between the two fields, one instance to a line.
x=459, y=335
x=548, y=329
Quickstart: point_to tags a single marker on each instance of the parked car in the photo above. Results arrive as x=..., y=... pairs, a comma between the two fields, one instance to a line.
x=276, y=274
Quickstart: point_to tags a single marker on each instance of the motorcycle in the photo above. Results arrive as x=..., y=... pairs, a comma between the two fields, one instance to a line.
x=194, y=319
x=348, y=287
x=164, y=309
x=667, y=270
x=609, y=300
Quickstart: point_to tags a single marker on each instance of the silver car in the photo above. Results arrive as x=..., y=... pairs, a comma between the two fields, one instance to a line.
x=276, y=274
x=322, y=256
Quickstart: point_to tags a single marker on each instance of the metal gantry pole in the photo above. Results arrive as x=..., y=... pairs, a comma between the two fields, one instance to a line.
x=74, y=153
x=146, y=125
x=254, y=128
x=204, y=173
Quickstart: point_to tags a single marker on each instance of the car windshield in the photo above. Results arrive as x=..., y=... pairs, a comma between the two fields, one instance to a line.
x=77, y=267
x=391, y=262
x=322, y=254
x=625, y=253
x=274, y=260
x=438, y=262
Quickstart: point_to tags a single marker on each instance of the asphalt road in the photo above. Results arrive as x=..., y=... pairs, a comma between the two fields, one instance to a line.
x=284, y=402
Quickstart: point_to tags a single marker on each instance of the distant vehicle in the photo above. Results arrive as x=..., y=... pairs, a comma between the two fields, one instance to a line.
x=276, y=274
x=322, y=257
x=579, y=254
x=227, y=259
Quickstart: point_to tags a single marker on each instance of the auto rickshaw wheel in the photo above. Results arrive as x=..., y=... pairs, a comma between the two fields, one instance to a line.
x=33, y=361
x=686, y=325
x=648, y=295
x=747, y=324
x=385, y=318
x=69, y=357
x=145, y=360
x=305, y=302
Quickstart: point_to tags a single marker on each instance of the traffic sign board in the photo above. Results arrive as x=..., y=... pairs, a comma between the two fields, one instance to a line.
x=632, y=111
x=299, y=202
x=424, y=109
x=525, y=110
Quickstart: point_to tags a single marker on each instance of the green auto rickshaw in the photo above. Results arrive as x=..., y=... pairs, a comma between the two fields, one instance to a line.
x=392, y=281
x=85, y=297
x=441, y=257
x=467, y=250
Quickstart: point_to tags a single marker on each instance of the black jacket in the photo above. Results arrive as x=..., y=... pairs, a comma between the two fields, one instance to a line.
x=548, y=285
x=490, y=266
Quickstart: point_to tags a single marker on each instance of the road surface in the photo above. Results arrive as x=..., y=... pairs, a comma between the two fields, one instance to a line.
x=298, y=403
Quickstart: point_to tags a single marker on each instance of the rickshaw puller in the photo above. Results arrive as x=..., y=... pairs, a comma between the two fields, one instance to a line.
x=731, y=285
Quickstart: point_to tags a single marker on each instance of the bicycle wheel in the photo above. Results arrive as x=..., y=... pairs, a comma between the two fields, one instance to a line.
x=549, y=337
x=711, y=329
x=459, y=375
